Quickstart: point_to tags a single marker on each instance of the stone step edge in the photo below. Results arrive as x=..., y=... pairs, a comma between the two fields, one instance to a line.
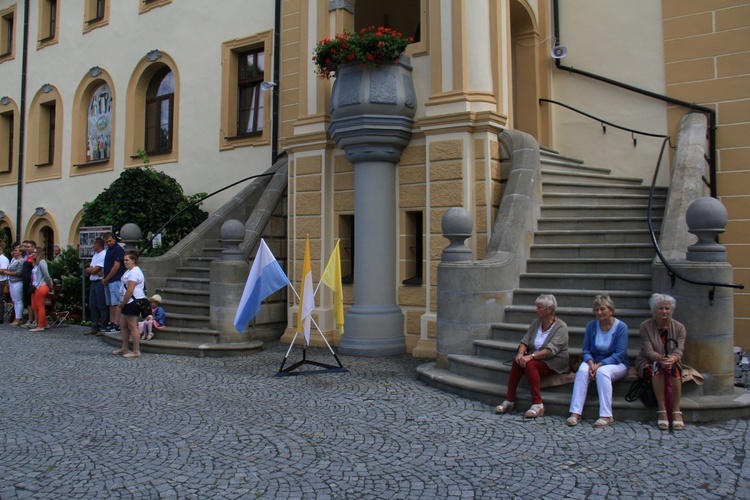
x=512, y=347
x=574, y=291
x=737, y=401
x=615, y=179
x=578, y=330
x=250, y=345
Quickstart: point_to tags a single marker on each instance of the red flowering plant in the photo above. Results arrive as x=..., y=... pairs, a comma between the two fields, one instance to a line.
x=367, y=47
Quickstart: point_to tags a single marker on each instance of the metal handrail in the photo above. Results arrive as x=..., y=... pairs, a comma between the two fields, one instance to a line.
x=158, y=232
x=671, y=272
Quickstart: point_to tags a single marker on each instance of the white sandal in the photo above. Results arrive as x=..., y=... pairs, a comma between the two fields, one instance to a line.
x=535, y=411
x=677, y=425
x=505, y=407
x=663, y=424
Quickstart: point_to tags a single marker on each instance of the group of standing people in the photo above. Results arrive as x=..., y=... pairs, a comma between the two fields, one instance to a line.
x=117, y=283
x=543, y=351
x=28, y=282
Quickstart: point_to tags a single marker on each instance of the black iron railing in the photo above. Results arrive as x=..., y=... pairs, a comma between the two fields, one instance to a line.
x=671, y=272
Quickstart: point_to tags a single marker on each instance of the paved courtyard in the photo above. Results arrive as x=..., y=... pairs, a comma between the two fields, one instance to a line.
x=79, y=422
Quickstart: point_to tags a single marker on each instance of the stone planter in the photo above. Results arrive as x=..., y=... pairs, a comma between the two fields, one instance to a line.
x=375, y=107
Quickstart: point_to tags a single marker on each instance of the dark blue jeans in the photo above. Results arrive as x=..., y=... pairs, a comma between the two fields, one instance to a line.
x=98, y=306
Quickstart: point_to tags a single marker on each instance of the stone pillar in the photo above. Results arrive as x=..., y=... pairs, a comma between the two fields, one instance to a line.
x=228, y=276
x=372, y=111
x=707, y=312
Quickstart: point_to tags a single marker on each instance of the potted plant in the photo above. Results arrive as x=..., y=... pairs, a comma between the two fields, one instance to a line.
x=369, y=47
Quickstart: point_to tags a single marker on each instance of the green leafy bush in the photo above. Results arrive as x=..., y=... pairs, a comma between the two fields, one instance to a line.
x=149, y=199
x=66, y=270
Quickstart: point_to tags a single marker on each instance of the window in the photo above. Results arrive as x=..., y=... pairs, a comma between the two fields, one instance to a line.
x=159, y=112
x=414, y=248
x=48, y=16
x=244, y=104
x=7, y=140
x=147, y=5
x=47, y=134
x=7, y=33
x=409, y=17
x=152, y=111
x=249, y=102
x=346, y=235
x=99, y=130
x=96, y=14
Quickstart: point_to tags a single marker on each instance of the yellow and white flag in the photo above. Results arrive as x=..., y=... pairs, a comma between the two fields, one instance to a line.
x=306, y=296
x=332, y=279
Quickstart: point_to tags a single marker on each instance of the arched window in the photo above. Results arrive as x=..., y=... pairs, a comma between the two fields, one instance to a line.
x=99, y=125
x=160, y=112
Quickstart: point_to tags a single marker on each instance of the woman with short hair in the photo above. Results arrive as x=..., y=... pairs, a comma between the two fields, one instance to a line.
x=662, y=345
x=604, y=359
x=542, y=352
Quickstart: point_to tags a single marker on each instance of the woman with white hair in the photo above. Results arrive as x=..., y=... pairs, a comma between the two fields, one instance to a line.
x=605, y=359
x=542, y=352
x=662, y=344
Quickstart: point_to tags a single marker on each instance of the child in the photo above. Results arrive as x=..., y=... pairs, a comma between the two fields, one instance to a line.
x=154, y=320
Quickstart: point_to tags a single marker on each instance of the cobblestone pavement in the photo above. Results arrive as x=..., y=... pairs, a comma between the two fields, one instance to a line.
x=79, y=422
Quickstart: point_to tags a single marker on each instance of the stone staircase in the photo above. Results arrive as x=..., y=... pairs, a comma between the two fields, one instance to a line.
x=592, y=237
x=187, y=301
x=197, y=324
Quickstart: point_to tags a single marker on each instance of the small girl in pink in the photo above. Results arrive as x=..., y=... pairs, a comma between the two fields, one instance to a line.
x=155, y=320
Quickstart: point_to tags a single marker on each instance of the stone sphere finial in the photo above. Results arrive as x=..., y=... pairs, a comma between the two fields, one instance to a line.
x=457, y=225
x=130, y=234
x=232, y=234
x=706, y=218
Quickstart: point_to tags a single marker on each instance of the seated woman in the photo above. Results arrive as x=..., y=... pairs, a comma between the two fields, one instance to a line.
x=662, y=344
x=543, y=351
x=605, y=359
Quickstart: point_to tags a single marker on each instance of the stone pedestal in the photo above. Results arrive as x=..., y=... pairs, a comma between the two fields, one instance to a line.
x=371, y=120
x=710, y=326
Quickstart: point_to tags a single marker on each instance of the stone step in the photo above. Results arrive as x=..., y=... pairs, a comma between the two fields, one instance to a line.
x=598, y=199
x=193, y=272
x=591, y=236
x=594, y=223
x=583, y=298
x=186, y=334
x=574, y=316
x=490, y=369
x=514, y=332
x=586, y=188
x=202, y=262
x=192, y=348
x=566, y=175
x=189, y=283
x=188, y=307
x=212, y=252
x=584, y=210
x=197, y=321
x=590, y=251
x=586, y=281
x=590, y=265
x=555, y=403
x=185, y=294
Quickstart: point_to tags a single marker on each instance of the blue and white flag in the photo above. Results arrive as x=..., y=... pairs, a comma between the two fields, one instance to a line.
x=266, y=276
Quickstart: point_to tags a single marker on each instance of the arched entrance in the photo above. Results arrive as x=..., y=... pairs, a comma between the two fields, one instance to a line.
x=529, y=74
x=41, y=229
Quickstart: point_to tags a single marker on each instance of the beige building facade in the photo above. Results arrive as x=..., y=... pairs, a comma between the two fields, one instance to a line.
x=479, y=66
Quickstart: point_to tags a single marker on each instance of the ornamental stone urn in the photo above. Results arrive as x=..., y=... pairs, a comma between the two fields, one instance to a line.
x=372, y=111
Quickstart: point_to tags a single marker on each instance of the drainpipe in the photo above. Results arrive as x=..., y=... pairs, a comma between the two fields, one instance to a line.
x=671, y=100
x=275, y=90
x=22, y=117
